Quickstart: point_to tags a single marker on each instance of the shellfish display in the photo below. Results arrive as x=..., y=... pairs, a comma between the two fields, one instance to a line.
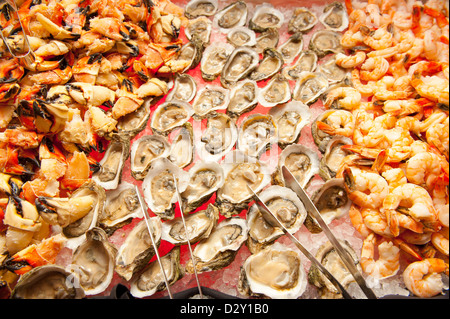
x=168, y=108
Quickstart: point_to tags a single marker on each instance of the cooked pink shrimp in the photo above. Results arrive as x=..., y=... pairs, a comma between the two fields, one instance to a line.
x=380, y=39
x=350, y=61
x=423, y=278
x=440, y=240
x=365, y=89
x=388, y=263
x=357, y=221
x=376, y=221
x=374, y=69
x=339, y=122
x=384, y=90
x=343, y=98
x=395, y=177
x=438, y=136
x=423, y=169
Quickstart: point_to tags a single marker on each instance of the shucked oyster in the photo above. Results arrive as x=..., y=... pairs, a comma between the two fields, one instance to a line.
x=150, y=280
x=256, y=134
x=325, y=41
x=243, y=98
x=239, y=64
x=133, y=123
x=334, y=17
x=240, y=170
x=144, y=151
x=302, y=20
x=205, y=179
x=309, y=87
x=306, y=62
x=233, y=15
x=159, y=188
x=197, y=8
x=137, y=249
x=182, y=145
x=241, y=36
x=277, y=91
x=220, y=248
x=218, y=138
x=267, y=39
x=333, y=72
x=93, y=262
x=333, y=156
x=184, y=88
x=170, y=115
x=292, y=48
x=331, y=200
x=209, y=99
x=275, y=272
x=264, y=17
x=199, y=225
x=290, y=119
x=271, y=64
x=201, y=27
x=214, y=58
x=285, y=204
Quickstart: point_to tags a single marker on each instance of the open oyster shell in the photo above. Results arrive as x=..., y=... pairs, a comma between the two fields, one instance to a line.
x=145, y=150
x=277, y=91
x=159, y=189
x=47, y=282
x=218, y=138
x=137, y=249
x=133, y=123
x=93, y=262
x=220, y=248
x=331, y=260
x=306, y=62
x=292, y=48
x=205, y=179
x=241, y=62
x=214, y=59
x=199, y=225
x=241, y=36
x=151, y=280
x=256, y=134
x=182, y=145
x=333, y=156
x=302, y=161
x=285, y=204
x=121, y=206
x=233, y=15
x=197, y=8
x=201, y=27
x=290, y=120
x=209, y=99
x=240, y=170
x=170, y=115
x=302, y=20
x=309, y=87
x=184, y=89
x=331, y=200
x=271, y=64
x=325, y=41
x=334, y=17
x=264, y=17
x=275, y=272
x=267, y=39
x=112, y=163
x=243, y=98
x=332, y=71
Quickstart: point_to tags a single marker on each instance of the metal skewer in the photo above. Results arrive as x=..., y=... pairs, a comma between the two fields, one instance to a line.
x=292, y=183
x=150, y=230
x=180, y=204
x=275, y=222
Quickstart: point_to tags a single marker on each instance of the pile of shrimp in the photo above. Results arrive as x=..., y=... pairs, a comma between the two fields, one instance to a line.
x=93, y=62
x=396, y=113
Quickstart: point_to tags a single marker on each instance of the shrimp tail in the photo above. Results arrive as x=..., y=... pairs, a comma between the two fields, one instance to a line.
x=409, y=249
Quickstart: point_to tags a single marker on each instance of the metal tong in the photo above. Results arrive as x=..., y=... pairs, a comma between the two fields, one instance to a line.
x=292, y=183
x=180, y=204
x=150, y=231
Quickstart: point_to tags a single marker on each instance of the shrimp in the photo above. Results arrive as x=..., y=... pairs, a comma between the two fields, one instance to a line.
x=339, y=122
x=350, y=61
x=395, y=177
x=438, y=136
x=423, y=278
x=432, y=87
x=376, y=222
x=388, y=263
x=441, y=201
x=423, y=169
x=414, y=201
x=364, y=89
x=357, y=221
x=374, y=69
x=344, y=98
x=365, y=189
x=440, y=240
x=398, y=221
x=379, y=39
x=383, y=90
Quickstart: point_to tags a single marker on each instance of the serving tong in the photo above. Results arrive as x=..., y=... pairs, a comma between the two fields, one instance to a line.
x=272, y=220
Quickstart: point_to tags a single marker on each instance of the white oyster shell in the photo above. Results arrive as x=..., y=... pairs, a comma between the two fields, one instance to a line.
x=233, y=15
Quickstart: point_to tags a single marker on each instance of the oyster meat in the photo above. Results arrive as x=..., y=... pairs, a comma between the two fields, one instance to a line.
x=112, y=163
x=233, y=15
x=214, y=59
x=256, y=134
x=210, y=98
x=184, y=89
x=331, y=200
x=306, y=62
x=137, y=249
x=275, y=272
x=271, y=64
x=333, y=72
x=220, y=248
x=309, y=87
x=205, y=179
x=218, y=138
x=145, y=150
x=285, y=204
x=277, y=91
x=290, y=120
x=267, y=39
x=201, y=27
x=199, y=225
x=240, y=170
x=334, y=17
x=243, y=98
x=47, y=282
x=133, y=123
x=241, y=62
x=333, y=156
x=170, y=115
x=302, y=20
x=197, y=8
x=159, y=188
x=151, y=280
x=292, y=48
x=93, y=262
x=241, y=36
x=182, y=146
x=325, y=41
x=331, y=260
x=265, y=17
x=301, y=161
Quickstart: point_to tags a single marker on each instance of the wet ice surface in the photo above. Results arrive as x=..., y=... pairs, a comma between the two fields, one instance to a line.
x=226, y=279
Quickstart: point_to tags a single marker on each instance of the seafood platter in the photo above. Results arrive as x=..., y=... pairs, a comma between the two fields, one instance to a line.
x=133, y=133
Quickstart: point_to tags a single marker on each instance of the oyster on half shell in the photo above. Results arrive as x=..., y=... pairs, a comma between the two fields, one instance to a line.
x=201, y=27
x=214, y=59
x=264, y=17
x=233, y=15
x=241, y=36
x=182, y=145
x=292, y=48
x=325, y=41
x=243, y=98
x=267, y=39
x=219, y=249
x=197, y=8
x=209, y=99
x=275, y=272
x=335, y=17
x=331, y=200
x=184, y=89
x=133, y=123
x=170, y=115
x=309, y=87
x=333, y=156
x=271, y=64
x=256, y=134
x=277, y=91
x=241, y=62
x=302, y=20
x=145, y=150
x=306, y=62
